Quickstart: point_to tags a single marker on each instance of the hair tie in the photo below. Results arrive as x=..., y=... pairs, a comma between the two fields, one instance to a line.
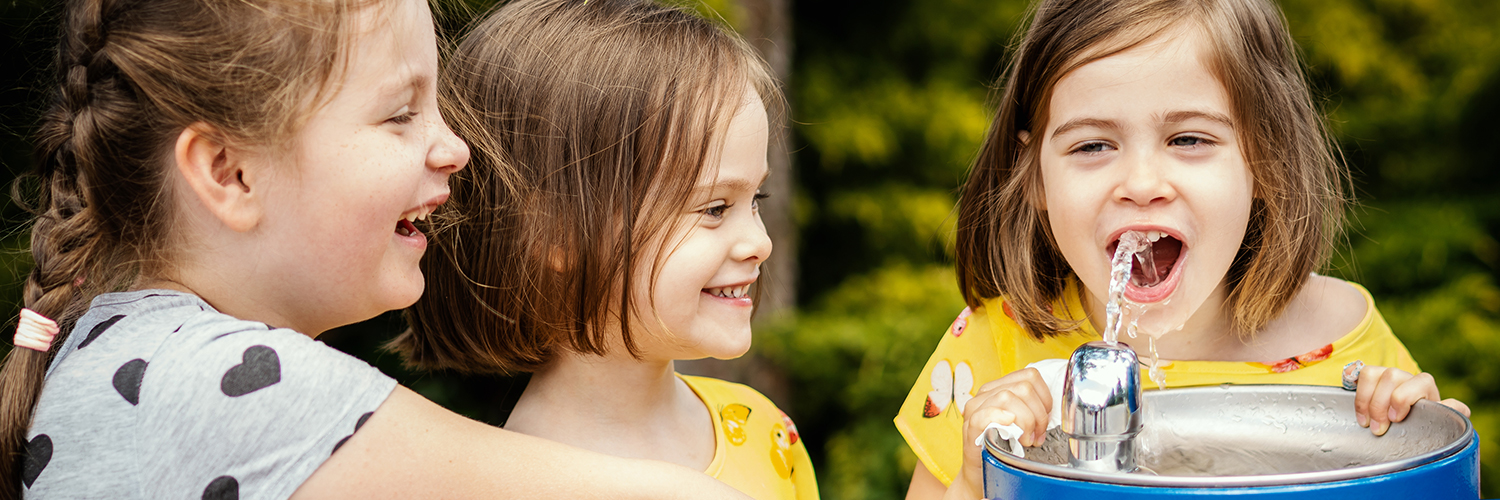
x=35, y=331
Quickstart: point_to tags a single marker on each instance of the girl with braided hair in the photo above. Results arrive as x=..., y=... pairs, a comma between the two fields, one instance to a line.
x=220, y=182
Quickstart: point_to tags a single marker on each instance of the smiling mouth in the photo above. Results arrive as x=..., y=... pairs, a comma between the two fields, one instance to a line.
x=407, y=225
x=729, y=292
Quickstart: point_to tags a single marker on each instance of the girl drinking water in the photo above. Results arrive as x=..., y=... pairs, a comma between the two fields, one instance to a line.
x=220, y=182
x=1188, y=122
x=609, y=226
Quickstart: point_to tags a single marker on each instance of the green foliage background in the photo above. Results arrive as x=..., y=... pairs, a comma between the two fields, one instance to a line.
x=890, y=102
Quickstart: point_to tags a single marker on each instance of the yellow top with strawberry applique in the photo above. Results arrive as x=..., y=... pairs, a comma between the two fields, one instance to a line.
x=757, y=449
x=989, y=344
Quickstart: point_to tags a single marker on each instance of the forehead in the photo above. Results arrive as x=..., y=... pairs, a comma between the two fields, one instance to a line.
x=740, y=145
x=1167, y=73
x=393, y=47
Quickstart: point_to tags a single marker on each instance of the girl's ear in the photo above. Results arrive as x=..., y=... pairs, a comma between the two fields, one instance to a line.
x=216, y=173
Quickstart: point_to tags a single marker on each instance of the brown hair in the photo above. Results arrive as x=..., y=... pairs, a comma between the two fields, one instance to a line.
x=590, y=124
x=132, y=74
x=1005, y=246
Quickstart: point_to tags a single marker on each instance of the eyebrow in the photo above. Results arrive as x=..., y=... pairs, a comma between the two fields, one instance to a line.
x=416, y=82
x=732, y=185
x=1182, y=116
x=1172, y=117
x=1078, y=123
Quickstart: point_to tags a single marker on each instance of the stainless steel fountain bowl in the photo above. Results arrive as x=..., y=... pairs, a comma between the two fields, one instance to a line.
x=1258, y=435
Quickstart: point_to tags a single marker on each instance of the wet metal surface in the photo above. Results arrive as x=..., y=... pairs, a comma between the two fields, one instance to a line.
x=1259, y=435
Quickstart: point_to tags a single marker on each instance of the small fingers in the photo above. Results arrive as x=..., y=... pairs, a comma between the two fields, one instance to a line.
x=1044, y=393
x=1024, y=374
x=1369, y=378
x=1380, y=410
x=1017, y=404
x=1034, y=422
x=1419, y=386
x=1457, y=405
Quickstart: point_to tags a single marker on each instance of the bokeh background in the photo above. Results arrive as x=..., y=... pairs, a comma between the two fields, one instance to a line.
x=889, y=100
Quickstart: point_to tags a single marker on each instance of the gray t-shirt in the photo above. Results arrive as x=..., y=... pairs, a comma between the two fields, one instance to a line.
x=158, y=395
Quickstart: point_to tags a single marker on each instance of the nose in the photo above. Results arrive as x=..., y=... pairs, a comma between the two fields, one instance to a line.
x=1145, y=180
x=753, y=245
x=448, y=153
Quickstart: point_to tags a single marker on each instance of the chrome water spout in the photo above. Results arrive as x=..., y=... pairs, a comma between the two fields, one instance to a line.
x=1101, y=413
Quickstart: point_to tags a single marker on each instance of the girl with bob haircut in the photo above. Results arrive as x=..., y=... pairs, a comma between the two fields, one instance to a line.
x=1188, y=122
x=217, y=184
x=608, y=226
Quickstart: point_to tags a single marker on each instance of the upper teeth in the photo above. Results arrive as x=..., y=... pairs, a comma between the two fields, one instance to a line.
x=420, y=214
x=1152, y=236
x=733, y=292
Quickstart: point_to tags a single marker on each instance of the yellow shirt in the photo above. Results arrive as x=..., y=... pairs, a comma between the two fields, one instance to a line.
x=985, y=346
x=757, y=449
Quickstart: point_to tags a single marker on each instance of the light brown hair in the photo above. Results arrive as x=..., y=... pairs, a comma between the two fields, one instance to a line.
x=131, y=75
x=1005, y=246
x=590, y=124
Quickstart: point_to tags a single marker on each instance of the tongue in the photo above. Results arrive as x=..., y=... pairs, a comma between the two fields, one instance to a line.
x=405, y=228
x=1155, y=264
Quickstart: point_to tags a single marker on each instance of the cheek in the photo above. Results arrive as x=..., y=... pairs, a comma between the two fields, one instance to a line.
x=1233, y=201
x=1071, y=217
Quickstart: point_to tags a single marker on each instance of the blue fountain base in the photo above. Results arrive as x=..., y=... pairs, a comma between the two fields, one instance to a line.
x=1455, y=476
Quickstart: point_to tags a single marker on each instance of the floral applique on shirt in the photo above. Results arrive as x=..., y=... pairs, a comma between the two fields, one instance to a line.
x=1295, y=363
x=962, y=322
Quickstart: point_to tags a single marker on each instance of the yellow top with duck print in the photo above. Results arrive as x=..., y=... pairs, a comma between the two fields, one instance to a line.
x=984, y=346
x=757, y=449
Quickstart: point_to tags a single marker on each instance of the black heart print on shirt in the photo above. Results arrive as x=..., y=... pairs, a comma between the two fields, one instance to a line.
x=100, y=328
x=261, y=368
x=38, y=454
x=128, y=380
x=361, y=423
x=222, y=488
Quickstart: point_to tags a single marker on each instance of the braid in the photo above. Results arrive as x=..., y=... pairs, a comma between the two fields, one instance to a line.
x=65, y=240
x=131, y=75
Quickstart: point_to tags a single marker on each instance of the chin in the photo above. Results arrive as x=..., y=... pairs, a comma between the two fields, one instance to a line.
x=729, y=349
x=401, y=295
x=729, y=352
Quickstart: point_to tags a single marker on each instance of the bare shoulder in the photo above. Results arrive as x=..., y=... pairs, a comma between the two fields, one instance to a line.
x=1324, y=310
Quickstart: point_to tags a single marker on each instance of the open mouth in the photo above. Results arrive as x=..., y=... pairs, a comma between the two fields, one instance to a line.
x=406, y=228
x=1154, y=274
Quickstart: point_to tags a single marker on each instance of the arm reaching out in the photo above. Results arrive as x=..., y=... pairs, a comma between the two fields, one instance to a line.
x=413, y=448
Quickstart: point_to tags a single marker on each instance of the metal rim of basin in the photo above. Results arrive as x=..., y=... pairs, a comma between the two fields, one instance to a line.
x=1001, y=451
